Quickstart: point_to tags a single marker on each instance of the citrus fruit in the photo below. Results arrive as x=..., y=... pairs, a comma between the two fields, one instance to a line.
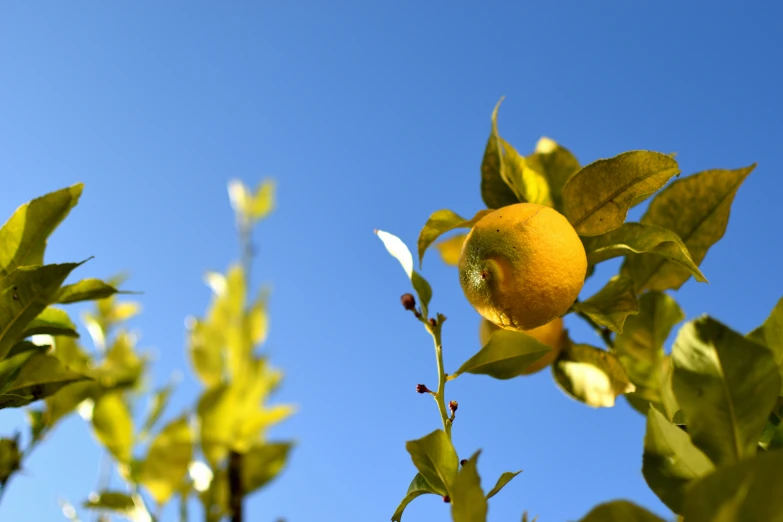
x=550, y=334
x=522, y=266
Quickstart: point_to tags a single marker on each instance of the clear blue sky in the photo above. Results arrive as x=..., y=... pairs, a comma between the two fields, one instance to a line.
x=373, y=114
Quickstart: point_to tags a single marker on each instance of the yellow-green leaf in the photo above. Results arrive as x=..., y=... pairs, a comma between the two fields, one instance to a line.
x=10, y=458
x=591, y=375
x=468, y=503
x=39, y=377
x=436, y=460
x=504, y=479
x=620, y=511
x=635, y=238
x=52, y=321
x=263, y=201
x=557, y=164
x=611, y=305
x=495, y=191
x=113, y=426
x=84, y=290
x=451, y=248
x=597, y=198
x=695, y=208
x=441, y=222
x=400, y=252
x=216, y=412
x=418, y=487
x=205, y=349
x=770, y=334
x=262, y=463
x=23, y=236
x=166, y=464
x=506, y=355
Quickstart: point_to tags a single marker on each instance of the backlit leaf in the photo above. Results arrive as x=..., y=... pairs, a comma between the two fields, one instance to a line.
x=640, y=348
x=158, y=403
x=695, y=208
x=504, y=479
x=436, y=460
x=441, y=222
x=770, y=334
x=12, y=365
x=506, y=355
x=399, y=251
x=557, y=164
x=113, y=426
x=23, y=237
x=468, y=503
x=620, y=511
x=597, y=198
x=418, y=487
x=495, y=191
x=166, y=464
x=39, y=377
x=745, y=492
x=671, y=461
x=451, y=248
x=726, y=386
x=591, y=375
x=10, y=458
x=263, y=201
x=216, y=412
x=262, y=463
x=52, y=321
x=84, y=290
x=112, y=501
x=611, y=305
x=635, y=238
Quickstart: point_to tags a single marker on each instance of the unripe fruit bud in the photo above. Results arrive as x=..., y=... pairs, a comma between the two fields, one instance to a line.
x=433, y=322
x=408, y=301
x=453, y=406
x=463, y=462
x=420, y=388
x=446, y=499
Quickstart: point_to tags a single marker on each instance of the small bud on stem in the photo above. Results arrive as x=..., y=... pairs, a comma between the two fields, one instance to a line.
x=446, y=499
x=409, y=303
x=433, y=322
x=420, y=388
x=453, y=407
x=463, y=462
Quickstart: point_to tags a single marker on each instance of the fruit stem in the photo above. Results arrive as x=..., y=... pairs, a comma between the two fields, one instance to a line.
x=604, y=332
x=440, y=395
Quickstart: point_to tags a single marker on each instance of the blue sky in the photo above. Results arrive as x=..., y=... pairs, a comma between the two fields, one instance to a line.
x=373, y=114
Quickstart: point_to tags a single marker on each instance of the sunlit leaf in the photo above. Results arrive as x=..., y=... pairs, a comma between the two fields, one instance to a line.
x=52, y=321
x=23, y=236
x=745, y=492
x=557, y=164
x=258, y=319
x=10, y=458
x=251, y=425
x=438, y=224
x=158, y=403
x=40, y=376
x=263, y=201
x=436, y=460
x=495, y=191
x=12, y=365
x=216, y=411
x=451, y=248
x=84, y=290
x=770, y=334
x=417, y=488
x=620, y=511
x=695, y=208
x=262, y=463
x=113, y=426
x=166, y=464
x=25, y=293
x=640, y=347
x=507, y=354
x=399, y=251
x=205, y=349
x=468, y=503
x=591, y=375
x=611, y=305
x=129, y=506
x=597, y=198
x=671, y=461
x=635, y=238
x=239, y=196
x=726, y=386
x=504, y=479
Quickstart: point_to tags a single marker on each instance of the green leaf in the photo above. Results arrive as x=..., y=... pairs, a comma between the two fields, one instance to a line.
x=451, y=248
x=597, y=198
x=262, y=463
x=113, y=426
x=52, y=321
x=400, y=252
x=620, y=511
x=40, y=376
x=635, y=238
x=10, y=458
x=418, y=487
x=611, y=305
x=158, y=403
x=23, y=237
x=216, y=412
x=726, y=386
x=590, y=375
x=436, y=460
x=504, y=479
x=439, y=223
x=671, y=461
x=557, y=164
x=468, y=503
x=495, y=191
x=205, y=344
x=263, y=201
x=640, y=347
x=770, y=334
x=167, y=460
x=25, y=293
x=506, y=355
x=745, y=492
x=12, y=365
x=111, y=501
x=84, y=290
x=695, y=208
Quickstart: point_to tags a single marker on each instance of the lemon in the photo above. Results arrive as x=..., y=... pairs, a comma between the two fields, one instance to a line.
x=550, y=334
x=522, y=266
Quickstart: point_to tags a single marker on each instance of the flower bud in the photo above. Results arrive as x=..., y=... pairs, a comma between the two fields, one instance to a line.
x=408, y=301
x=420, y=388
